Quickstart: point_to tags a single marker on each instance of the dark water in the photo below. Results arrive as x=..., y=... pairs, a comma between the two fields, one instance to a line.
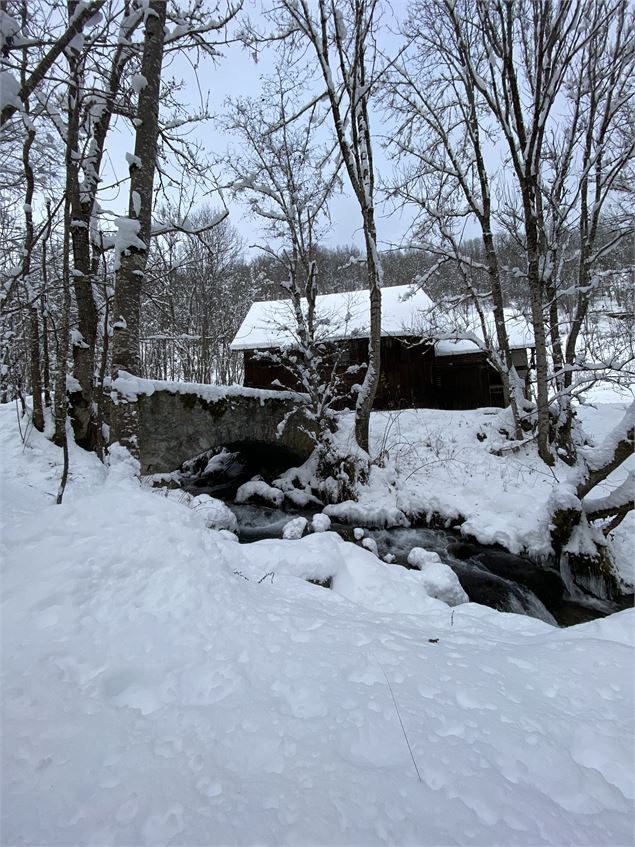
x=489, y=575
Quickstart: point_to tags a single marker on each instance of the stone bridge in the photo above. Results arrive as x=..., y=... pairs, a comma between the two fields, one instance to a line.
x=179, y=420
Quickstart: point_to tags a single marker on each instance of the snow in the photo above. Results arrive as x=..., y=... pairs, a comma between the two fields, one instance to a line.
x=519, y=333
x=133, y=161
x=371, y=545
x=258, y=488
x=320, y=523
x=9, y=91
x=136, y=203
x=131, y=387
x=126, y=238
x=376, y=505
x=72, y=384
x=294, y=528
x=9, y=27
x=439, y=580
x=138, y=83
x=437, y=468
x=163, y=684
x=269, y=323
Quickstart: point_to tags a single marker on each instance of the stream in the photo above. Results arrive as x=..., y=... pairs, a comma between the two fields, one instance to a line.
x=490, y=575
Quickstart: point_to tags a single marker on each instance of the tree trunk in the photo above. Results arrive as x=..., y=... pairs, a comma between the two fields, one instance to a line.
x=61, y=402
x=538, y=325
x=34, y=323
x=86, y=265
x=134, y=232
x=370, y=384
x=587, y=562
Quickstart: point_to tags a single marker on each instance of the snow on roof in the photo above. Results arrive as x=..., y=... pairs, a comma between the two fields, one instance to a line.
x=519, y=333
x=271, y=323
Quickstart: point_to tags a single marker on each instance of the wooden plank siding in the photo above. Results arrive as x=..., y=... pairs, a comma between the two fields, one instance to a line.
x=412, y=376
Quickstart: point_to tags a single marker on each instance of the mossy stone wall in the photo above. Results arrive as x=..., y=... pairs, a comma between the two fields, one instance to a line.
x=176, y=427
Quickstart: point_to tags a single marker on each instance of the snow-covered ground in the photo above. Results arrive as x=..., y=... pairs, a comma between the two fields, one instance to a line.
x=162, y=684
x=442, y=463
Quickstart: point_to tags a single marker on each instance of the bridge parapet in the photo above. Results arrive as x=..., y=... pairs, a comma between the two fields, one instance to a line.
x=179, y=420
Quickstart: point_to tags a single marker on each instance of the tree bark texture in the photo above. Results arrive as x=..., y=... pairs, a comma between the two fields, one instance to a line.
x=86, y=261
x=34, y=323
x=132, y=261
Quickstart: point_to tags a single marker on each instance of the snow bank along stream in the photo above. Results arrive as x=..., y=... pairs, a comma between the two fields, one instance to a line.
x=489, y=575
x=153, y=696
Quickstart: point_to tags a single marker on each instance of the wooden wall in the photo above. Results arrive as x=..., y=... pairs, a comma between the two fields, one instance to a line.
x=411, y=376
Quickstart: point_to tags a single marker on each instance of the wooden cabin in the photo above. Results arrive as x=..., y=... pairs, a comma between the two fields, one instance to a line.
x=417, y=371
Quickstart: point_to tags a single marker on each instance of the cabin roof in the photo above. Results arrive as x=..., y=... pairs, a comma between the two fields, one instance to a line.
x=404, y=313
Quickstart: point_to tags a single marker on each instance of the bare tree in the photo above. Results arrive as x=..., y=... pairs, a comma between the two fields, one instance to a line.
x=82, y=14
x=132, y=241
x=582, y=522
x=342, y=39
x=34, y=323
x=487, y=83
x=287, y=179
x=584, y=223
x=441, y=142
x=133, y=236
x=196, y=295
x=99, y=104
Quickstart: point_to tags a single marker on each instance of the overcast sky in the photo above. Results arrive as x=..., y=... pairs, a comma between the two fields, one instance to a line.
x=236, y=74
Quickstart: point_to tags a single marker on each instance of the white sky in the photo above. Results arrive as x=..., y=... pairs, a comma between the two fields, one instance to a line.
x=234, y=75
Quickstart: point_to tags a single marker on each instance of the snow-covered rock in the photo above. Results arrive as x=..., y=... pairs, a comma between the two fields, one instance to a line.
x=295, y=528
x=320, y=523
x=418, y=557
x=439, y=579
x=214, y=512
x=228, y=536
x=371, y=545
x=258, y=489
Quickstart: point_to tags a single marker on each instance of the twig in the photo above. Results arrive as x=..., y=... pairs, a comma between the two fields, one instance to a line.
x=403, y=729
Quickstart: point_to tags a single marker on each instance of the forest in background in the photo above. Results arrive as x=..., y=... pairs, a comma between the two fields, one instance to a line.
x=512, y=117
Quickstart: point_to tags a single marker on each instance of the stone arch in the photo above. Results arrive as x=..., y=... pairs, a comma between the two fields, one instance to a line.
x=176, y=424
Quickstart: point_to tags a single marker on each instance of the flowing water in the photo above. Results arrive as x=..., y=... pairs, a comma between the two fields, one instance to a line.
x=489, y=575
